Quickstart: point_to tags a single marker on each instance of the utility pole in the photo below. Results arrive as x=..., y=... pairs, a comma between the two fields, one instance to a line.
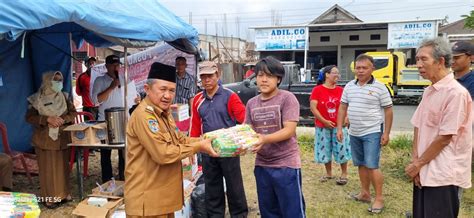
x=217, y=44
x=273, y=17
x=225, y=25
x=210, y=51
x=238, y=39
x=205, y=27
x=190, y=17
x=232, y=46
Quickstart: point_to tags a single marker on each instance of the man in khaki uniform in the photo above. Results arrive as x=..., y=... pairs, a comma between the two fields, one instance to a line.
x=6, y=170
x=154, y=183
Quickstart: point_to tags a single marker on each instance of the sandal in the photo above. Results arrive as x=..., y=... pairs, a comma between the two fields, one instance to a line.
x=375, y=210
x=355, y=197
x=325, y=178
x=342, y=181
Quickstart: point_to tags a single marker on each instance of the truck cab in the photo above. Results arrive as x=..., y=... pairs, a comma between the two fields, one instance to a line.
x=247, y=89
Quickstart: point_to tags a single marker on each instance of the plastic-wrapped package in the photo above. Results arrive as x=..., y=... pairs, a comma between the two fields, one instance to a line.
x=21, y=205
x=233, y=141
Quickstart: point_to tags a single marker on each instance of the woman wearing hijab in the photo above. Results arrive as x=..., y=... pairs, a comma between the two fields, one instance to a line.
x=50, y=112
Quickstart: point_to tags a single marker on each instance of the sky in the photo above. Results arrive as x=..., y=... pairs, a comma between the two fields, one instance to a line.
x=234, y=17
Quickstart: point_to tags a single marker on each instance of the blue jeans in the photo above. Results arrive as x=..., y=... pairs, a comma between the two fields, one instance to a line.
x=366, y=150
x=279, y=192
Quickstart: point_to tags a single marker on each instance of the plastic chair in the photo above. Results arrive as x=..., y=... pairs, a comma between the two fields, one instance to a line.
x=15, y=155
x=79, y=119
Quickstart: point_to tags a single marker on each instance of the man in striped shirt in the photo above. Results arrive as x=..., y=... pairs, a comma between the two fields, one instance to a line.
x=185, y=85
x=364, y=100
x=185, y=90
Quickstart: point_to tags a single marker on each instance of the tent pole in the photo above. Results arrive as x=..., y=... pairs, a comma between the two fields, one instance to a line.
x=125, y=94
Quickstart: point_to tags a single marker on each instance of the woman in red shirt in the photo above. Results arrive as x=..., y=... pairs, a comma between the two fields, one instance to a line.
x=325, y=100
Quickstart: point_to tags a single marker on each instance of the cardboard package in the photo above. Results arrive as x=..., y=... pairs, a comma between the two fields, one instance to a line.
x=85, y=210
x=180, y=112
x=189, y=170
x=110, y=191
x=91, y=132
x=188, y=187
x=185, y=212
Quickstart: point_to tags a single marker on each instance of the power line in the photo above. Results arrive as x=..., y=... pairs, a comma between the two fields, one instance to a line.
x=301, y=17
x=295, y=9
x=312, y=9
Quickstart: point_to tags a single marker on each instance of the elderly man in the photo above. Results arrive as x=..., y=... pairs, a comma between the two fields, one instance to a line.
x=154, y=184
x=441, y=156
x=6, y=170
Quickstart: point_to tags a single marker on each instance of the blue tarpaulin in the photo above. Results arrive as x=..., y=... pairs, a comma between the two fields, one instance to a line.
x=35, y=36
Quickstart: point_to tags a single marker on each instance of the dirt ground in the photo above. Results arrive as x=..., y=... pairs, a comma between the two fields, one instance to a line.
x=322, y=199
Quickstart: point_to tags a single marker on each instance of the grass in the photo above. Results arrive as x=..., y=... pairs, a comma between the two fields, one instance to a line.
x=322, y=199
x=328, y=199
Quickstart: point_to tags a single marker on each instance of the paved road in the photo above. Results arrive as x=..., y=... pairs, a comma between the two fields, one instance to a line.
x=401, y=117
x=401, y=120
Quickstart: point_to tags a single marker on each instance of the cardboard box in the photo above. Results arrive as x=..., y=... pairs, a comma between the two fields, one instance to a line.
x=185, y=212
x=188, y=187
x=189, y=170
x=85, y=210
x=117, y=191
x=88, y=132
x=180, y=112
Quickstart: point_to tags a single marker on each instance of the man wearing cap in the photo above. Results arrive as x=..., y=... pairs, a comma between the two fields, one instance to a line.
x=108, y=92
x=83, y=88
x=154, y=185
x=215, y=108
x=461, y=65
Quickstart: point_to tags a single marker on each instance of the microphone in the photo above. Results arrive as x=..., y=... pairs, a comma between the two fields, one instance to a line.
x=116, y=75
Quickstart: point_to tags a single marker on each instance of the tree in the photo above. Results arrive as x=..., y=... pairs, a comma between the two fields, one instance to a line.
x=469, y=23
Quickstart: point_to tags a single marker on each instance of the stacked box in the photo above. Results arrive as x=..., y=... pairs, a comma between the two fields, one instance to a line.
x=21, y=205
x=90, y=132
x=233, y=141
x=189, y=170
x=180, y=112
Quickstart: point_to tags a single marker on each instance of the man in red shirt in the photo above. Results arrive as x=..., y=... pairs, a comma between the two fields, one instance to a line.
x=250, y=72
x=83, y=88
x=215, y=108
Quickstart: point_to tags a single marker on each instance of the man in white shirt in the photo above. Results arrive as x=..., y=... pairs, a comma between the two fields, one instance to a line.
x=108, y=92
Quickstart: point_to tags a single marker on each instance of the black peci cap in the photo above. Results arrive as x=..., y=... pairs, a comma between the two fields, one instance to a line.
x=112, y=59
x=162, y=71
